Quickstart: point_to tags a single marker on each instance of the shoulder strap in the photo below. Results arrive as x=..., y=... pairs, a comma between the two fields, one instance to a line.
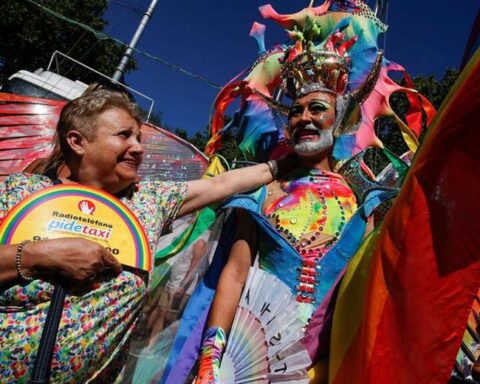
x=43, y=360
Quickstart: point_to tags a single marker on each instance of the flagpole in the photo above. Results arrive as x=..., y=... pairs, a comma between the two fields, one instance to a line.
x=138, y=33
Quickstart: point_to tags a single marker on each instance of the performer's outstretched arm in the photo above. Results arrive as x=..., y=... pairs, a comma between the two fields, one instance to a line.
x=227, y=297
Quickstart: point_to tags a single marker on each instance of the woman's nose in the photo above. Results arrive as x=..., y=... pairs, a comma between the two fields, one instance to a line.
x=136, y=146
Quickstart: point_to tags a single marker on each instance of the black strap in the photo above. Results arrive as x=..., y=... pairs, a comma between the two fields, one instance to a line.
x=43, y=361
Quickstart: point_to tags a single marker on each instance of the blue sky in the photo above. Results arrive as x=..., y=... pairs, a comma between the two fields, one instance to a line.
x=210, y=38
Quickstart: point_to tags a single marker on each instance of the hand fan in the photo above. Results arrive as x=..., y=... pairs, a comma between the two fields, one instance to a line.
x=264, y=342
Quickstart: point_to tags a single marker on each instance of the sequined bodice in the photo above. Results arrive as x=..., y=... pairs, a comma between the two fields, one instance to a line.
x=310, y=213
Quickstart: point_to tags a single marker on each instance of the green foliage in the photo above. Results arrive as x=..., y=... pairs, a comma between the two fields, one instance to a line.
x=230, y=150
x=200, y=138
x=30, y=35
x=436, y=90
x=182, y=133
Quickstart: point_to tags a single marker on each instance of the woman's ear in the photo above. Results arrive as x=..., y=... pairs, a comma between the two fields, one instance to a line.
x=76, y=141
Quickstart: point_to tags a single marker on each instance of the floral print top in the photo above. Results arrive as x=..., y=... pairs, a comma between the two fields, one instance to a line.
x=95, y=326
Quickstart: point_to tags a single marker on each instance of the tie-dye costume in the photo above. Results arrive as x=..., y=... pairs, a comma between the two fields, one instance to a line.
x=298, y=230
x=311, y=217
x=95, y=326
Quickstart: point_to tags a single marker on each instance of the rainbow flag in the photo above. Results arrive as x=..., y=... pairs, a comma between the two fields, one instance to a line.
x=404, y=302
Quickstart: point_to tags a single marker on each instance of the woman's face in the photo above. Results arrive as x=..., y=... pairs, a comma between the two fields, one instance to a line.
x=113, y=155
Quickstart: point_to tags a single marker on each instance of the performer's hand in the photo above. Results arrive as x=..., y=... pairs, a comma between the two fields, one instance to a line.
x=210, y=356
x=68, y=261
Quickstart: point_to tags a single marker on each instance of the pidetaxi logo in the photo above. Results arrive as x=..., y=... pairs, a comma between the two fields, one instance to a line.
x=86, y=207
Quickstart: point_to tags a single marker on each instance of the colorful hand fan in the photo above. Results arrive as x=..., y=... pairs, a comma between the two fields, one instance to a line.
x=74, y=210
x=264, y=343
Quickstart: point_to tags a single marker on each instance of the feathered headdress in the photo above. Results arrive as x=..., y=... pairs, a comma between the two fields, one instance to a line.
x=335, y=50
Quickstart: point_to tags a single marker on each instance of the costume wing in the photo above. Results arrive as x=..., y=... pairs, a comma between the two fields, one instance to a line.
x=264, y=345
x=168, y=157
x=27, y=127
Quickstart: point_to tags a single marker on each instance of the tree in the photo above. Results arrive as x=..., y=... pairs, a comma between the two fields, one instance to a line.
x=180, y=132
x=30, y=35
x=200, y=138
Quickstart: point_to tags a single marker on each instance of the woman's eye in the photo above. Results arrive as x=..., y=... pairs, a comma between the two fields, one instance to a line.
x=124, y=134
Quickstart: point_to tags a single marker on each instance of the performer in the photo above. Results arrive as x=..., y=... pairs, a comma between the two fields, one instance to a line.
x=307, y=226
x=98, y=137
x=320, y=210
x=309, y=207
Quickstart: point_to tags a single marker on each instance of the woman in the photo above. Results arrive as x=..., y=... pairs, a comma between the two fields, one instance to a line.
x=98, y=137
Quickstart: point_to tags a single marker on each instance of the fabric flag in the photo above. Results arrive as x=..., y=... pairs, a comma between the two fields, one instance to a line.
x=404, y=302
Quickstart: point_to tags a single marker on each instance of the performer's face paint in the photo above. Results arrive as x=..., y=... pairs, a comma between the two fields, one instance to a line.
x=311, y=122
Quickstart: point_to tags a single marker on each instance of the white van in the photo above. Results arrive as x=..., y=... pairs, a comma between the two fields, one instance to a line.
x=43, y=84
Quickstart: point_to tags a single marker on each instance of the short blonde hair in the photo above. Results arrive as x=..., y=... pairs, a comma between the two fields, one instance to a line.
x=81, y=114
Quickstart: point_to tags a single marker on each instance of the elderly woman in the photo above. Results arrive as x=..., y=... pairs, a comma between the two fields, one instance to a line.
x=98, y=135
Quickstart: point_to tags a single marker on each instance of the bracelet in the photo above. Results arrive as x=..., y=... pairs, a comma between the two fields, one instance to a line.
x=18, y=262
x=273, y=168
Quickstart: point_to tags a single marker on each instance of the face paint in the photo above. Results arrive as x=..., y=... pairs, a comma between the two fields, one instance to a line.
x=322, y=143
x=311, y=122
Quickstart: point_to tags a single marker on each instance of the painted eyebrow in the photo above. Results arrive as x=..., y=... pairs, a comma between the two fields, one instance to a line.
x=320, y=101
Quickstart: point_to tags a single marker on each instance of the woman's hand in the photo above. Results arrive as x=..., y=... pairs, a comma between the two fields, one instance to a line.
x=68, y=261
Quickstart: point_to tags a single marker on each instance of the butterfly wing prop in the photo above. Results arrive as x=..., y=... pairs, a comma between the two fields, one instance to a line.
x=27, y=127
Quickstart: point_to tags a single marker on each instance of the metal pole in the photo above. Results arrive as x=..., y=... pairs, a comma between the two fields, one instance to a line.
x=138, y=33
x=381, y=9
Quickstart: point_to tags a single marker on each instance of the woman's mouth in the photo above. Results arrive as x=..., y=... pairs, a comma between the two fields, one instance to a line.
x=130, y=163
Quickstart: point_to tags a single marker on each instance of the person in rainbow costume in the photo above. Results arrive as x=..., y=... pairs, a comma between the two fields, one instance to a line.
x=308, y=225
x=297, y=224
